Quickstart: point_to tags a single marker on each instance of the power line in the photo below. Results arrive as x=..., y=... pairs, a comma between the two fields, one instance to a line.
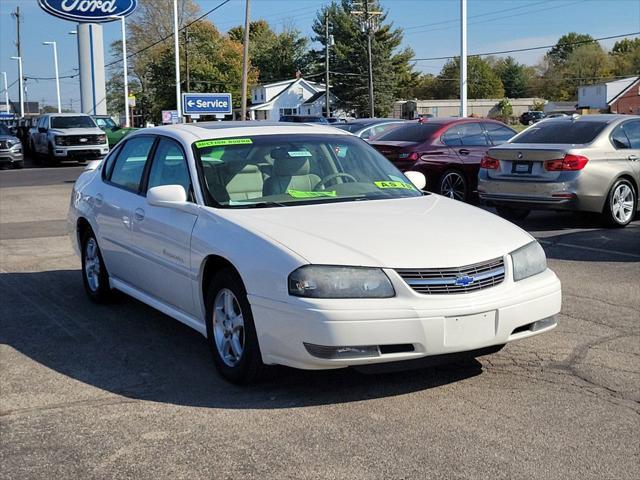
x=515, y=50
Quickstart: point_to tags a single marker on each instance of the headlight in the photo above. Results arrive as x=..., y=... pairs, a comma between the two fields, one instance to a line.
x=60, y=140
x=13, y=143
x=320, y=281
x=102, y=138
x=528, y=261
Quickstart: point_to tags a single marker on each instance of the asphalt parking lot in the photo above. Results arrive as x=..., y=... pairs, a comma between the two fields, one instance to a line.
x=122, y=391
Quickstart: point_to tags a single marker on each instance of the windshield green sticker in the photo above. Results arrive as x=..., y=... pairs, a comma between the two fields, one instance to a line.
x=388, y=184
x=304, y=194
x=223, y=142
x=300, y=153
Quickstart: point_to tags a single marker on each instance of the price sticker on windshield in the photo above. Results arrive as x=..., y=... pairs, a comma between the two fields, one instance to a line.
x=389, y=184
x=305, y=194
x=223, y=142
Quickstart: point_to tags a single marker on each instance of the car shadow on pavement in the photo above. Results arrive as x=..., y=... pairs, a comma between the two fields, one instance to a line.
x=130, y=349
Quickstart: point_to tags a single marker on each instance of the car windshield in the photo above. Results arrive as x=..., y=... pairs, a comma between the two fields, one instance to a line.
x=563, y=132
x=414, y=132
x=80, y=121
x=106, y=123
x=4, y=130
x=283, y=170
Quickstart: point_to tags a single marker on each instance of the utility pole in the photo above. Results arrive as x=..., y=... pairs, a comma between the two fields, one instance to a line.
x=186, y=60
x=326, y=64
x=18, y=16
x=245, y=63
x=463, y=58
x=368, y=26
x=176, y=46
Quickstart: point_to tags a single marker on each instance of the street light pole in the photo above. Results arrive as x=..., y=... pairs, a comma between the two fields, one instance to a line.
x=20, y=84
x=245, y=63
x=176, y=46
x=463, y=58
x=327, y=105
x=125, y=72
x=6, y=91
x=55, y=63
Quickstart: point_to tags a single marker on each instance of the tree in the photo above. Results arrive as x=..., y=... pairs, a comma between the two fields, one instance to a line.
x=277, y=56
x=505, y=110
x=392, y=71
x=625, y=57
x=567, y=44
x=483, y=82
x=514, y=77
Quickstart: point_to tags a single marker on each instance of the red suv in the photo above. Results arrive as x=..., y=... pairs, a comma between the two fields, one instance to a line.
x=447, y=150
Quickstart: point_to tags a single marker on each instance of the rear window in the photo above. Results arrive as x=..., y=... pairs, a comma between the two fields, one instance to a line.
x=416, y=132
x=349, y=127
x=561, y=132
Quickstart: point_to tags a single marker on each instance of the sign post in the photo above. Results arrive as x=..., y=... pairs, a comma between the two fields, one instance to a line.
x=206, y=103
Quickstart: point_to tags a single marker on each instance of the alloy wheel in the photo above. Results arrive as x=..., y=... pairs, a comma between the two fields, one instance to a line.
x=92, y=264
x=228, y=327
x=453, y=186
x=622, y=203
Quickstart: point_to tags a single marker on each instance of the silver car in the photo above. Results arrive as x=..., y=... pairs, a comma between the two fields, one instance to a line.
x=582, y=163
x=10, y=148
x=368, y=128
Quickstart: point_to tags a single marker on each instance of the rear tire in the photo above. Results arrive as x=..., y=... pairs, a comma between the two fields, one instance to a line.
x=452, y=184
x=621, y=204
x=95, y=277
x=513, y=213
x=231, y=332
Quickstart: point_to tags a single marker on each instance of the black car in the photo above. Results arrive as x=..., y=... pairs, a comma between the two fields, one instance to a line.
x=531, y=117
x=303, y=119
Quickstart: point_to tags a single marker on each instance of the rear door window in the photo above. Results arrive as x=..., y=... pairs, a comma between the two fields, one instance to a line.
x=129, y=166
x=563, y=132
x=632, y=129
x=619, y=138
x=416, y=132
x=452, y=137
x=471, y=134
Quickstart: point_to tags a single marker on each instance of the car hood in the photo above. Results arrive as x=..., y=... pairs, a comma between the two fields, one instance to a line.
x=424, y=232
x=9, y=137
x=76, y=131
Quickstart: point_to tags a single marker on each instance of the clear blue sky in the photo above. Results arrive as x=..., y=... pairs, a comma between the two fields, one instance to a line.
x=431, y=29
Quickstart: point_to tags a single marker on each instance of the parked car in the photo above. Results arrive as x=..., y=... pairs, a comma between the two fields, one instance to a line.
x=114, y=132
x=73, y=136
x=531, y=117
x=336, y=120
x=303, y=119
x=368, y=128
x=279, y=244
x=589, y=163
x=446, y=150
x=10, y=148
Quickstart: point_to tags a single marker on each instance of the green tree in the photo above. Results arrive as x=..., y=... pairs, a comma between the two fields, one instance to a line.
x=392, y=71
x=625, y=57
x=514, y=77
x=483, y=82
x=566, y=44
x=505, y=110
x=277, y=56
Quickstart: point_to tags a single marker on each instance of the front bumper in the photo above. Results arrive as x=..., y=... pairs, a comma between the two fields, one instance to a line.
x=81, y=151
x=429, y=324
x=11, y=157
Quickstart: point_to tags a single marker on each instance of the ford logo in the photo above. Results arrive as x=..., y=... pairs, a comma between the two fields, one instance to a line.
x=88, y=10
x=464, y=281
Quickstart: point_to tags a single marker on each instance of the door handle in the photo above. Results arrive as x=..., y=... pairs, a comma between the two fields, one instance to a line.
x=127, y=221
x=632, y=157
x=464, y=151
x=138, y=214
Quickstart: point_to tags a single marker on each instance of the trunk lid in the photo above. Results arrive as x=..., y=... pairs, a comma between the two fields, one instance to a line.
x=526, y=161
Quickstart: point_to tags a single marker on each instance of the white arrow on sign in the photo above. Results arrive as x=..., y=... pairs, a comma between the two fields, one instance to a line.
x=191, y=103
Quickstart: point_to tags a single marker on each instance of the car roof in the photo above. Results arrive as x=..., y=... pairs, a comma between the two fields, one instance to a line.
x=65, y=115
x=373, y=120
x=209, y=130
x=598, y=118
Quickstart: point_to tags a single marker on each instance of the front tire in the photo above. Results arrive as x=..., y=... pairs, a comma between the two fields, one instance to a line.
x=231, y=332
x=95, y=277
x=513, y=213
x=621, y=204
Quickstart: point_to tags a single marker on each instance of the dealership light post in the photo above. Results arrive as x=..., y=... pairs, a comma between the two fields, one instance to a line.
x=6, y=91
x=463, y=58
x=245, y=63
x=176, y=46
x=125, y=71
x=20, y=84
x=55, y=63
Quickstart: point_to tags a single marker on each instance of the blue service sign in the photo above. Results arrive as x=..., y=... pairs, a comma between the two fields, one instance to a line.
x=206, y=103
x=94, y=11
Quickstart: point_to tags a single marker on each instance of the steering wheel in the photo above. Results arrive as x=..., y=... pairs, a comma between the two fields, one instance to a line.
x=334, y=176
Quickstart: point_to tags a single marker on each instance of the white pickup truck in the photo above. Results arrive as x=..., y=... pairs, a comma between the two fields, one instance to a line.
x=73, y=136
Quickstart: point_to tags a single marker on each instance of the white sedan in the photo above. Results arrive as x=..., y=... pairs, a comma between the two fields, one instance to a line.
x=302, y=246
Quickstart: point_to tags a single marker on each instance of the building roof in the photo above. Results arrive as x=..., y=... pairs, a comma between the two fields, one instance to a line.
x=319, y=95
x=631, y=81
x=319, y=88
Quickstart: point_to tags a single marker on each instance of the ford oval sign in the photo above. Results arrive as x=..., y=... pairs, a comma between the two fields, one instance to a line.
x=89, y=11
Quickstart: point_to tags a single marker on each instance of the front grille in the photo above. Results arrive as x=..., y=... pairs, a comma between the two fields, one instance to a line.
x=73, y=140
x=465, y=279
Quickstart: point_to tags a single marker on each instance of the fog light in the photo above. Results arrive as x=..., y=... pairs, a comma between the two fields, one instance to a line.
x=542, y=324
x=337, y=353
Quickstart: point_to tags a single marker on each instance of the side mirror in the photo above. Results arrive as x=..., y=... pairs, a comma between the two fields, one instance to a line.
x=417, y=178
x=167, y=196
x=42, y=130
